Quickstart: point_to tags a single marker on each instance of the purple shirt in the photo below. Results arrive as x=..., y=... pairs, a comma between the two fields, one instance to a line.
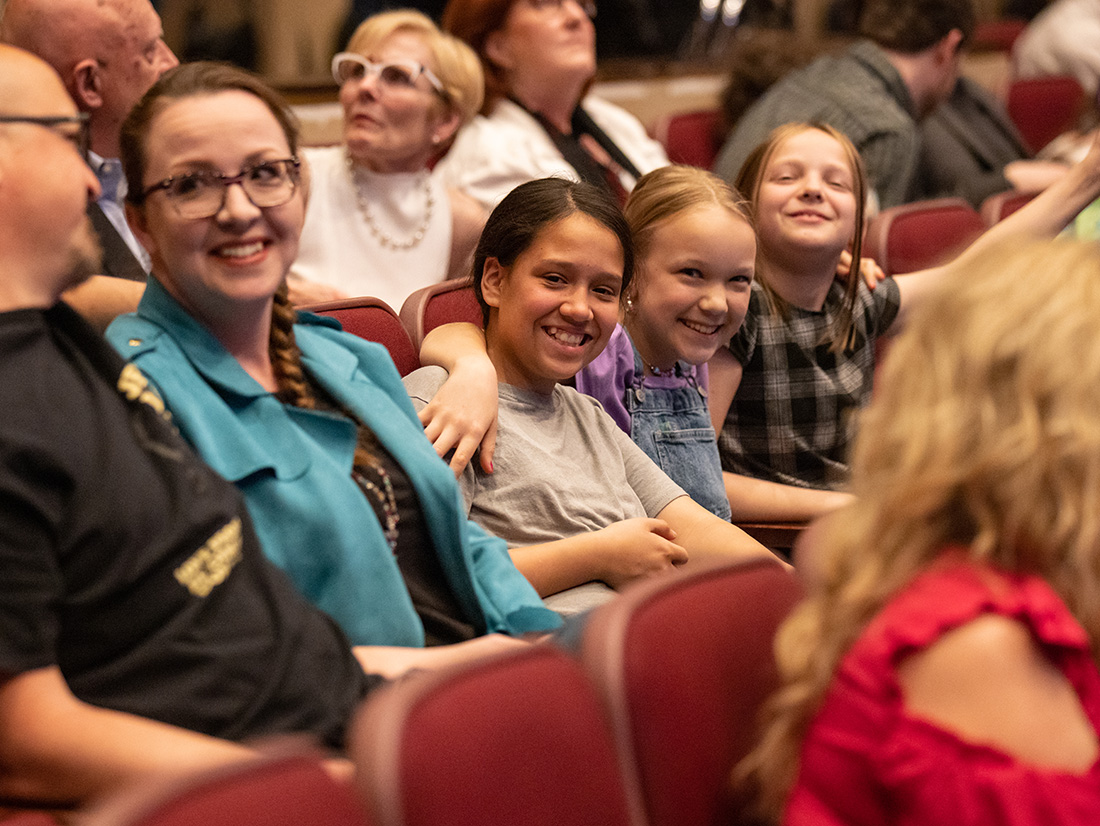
x=607, y=377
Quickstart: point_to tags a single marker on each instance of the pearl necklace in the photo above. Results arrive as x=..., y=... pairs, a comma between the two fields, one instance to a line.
x=380, y=235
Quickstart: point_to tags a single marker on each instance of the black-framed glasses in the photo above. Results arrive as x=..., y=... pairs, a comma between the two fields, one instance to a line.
x=392, y=74
x=202, y=194
x=587, y=6
x=73, y=128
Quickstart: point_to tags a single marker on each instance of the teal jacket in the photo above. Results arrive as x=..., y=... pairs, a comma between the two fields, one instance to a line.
x=294, y=468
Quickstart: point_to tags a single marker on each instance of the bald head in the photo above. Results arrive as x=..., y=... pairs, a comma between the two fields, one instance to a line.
x=107, y=52
x=46, y=240
x=29, y=86
x=61, y=32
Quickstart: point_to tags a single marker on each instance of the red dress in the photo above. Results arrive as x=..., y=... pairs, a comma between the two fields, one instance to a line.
x=866, y=761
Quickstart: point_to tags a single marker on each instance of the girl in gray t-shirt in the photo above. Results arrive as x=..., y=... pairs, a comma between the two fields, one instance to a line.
x=576, y=500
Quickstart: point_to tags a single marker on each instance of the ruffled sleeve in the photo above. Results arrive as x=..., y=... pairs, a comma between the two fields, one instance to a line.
x=865, y=760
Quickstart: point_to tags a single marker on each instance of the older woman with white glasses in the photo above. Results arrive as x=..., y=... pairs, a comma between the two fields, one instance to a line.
x=378, y=222
x=539, y=58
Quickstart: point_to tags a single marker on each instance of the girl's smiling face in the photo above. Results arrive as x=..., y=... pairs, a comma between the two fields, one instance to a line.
x=554, y=309
x=693, y=284
x=806, y=197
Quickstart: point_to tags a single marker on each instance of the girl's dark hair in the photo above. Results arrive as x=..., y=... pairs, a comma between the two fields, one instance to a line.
x=530, y=208
x=189, y=80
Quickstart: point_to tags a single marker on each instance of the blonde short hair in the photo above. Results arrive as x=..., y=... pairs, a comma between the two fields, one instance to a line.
x=456, y=64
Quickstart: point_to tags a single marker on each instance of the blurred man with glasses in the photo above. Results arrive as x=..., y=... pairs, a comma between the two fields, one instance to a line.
x=141, y=628
x=108, y=53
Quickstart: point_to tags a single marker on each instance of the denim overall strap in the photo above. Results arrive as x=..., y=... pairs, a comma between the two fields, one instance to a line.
x=672, y=425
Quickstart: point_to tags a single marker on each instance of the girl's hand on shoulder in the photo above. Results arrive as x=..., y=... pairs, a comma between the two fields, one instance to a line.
x=869, y=269
x=462, y=416
x=637, y=547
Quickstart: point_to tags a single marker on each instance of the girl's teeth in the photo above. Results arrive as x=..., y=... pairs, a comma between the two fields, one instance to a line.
x=699, y=328
x=571, y=339
x=242, y=251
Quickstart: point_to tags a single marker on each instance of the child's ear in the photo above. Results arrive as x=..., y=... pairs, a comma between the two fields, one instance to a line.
x=492, y=276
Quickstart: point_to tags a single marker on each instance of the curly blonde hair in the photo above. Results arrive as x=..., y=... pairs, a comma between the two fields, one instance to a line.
x=984, y=432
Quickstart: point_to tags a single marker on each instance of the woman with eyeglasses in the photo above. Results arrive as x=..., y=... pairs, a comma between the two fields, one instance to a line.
x=538, y=119
x=312, y=424
x=379, y=222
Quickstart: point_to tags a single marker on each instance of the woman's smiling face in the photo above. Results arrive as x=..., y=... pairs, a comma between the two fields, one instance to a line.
x=240, y=255
x=554, y=309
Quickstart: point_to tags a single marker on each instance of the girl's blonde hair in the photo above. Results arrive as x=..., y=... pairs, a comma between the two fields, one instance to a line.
x=749, y=180
x=456, y=64
x=668, y=191
x=984, y=433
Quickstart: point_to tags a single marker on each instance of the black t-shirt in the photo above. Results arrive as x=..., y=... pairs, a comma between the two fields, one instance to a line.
x=133, y=567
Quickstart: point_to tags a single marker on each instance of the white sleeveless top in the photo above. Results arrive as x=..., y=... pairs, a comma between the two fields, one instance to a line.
x=338, y=246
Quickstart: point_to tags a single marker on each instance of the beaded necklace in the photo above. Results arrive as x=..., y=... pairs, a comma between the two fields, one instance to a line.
x=380, y=235
x=384, y=496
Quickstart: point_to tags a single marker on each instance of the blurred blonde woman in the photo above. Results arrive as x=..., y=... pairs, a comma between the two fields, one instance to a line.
x=379, y=222
x=943, y=669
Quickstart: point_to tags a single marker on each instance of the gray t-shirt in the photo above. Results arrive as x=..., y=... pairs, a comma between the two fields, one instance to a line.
x=561, y=466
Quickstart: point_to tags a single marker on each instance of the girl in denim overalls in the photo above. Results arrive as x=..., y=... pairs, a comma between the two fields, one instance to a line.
x=696, y=249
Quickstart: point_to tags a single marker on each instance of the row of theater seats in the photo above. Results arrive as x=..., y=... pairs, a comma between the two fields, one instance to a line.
x=423, y=311
x=922, y=234
x=1042, y=108
x=640, y=730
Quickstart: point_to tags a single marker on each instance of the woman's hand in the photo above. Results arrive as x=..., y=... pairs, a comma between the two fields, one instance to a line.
x=462, y=416
x=635, y=548
x=392, y=662
x=870, y=270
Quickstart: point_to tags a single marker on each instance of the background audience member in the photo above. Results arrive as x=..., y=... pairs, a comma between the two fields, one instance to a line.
x=539, y=58
x=786, y=392
x=576, y=499
x=969, y=146
x=875, y=92
x=944, y=667
x=311, y=423
x=1064, y=39
x=140, y=620
x=107, y=53
x=378, y=221
x=971, y=149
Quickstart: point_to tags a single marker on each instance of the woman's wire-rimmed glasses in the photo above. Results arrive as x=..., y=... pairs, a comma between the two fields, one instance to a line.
x=73, y=128
x=391, y=74
x=197, y=195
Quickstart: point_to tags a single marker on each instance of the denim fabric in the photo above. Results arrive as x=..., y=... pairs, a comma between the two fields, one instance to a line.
x=672, y=426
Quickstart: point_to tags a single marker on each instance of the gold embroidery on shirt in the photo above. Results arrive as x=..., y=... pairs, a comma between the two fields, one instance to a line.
x=134, y=386
x=210, y=565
